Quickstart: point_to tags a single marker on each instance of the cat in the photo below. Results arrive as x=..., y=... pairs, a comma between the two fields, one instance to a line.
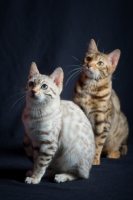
x=61, y=135
x=93, y=93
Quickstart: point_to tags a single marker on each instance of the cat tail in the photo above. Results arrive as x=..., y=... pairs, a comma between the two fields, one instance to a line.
x=28, y=147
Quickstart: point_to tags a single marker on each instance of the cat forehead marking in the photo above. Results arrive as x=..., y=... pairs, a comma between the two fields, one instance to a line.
x=41, y=78
x=96, y=56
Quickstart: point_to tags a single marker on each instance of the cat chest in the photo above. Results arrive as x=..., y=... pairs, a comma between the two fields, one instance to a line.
x=37, y=130
x=92, y=106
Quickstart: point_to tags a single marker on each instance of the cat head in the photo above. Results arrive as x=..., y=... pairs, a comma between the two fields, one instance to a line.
x=41, y=88
x=97, y=65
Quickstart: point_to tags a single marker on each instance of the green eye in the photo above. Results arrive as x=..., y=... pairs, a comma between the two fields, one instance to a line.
x=100, y=63
x=31, y=84
x=44, y=87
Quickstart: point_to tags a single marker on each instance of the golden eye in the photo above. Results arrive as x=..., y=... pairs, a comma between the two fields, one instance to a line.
x=100, y=63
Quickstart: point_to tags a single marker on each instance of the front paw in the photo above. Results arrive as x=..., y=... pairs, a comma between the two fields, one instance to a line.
x=31, y=180
x=59, y=178
x=96, y=161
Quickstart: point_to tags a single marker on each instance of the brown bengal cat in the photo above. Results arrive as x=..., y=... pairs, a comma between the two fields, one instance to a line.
x=94, y=94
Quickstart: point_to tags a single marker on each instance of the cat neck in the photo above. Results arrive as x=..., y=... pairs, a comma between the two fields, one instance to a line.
x=45, y=110
x=93, y=86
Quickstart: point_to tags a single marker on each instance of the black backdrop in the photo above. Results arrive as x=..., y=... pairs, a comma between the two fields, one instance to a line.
x=55, y=33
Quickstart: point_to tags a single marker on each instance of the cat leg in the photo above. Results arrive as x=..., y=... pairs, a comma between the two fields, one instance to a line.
x=43, y=160
x=116, y=149
x=99, y=142
x=101, y=131
x=65, y=177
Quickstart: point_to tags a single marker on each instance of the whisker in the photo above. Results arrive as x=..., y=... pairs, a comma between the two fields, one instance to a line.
x=108, y=51
x=15, y=95
x=114, y=77
x=75, y=73
x=98, y=42
x=16, y=102
x=74, y=70
x=15, y=87
x=18, y=89
x=22, y=101
x=73, y=65
x=75, y=58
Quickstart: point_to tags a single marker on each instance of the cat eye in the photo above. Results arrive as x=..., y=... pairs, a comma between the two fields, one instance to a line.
x=31, y=84
x=44, y=87
x=100, y=63
x=88, y=58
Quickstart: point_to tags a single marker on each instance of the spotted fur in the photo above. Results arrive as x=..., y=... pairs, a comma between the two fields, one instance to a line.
x=94, y=94
x=61, y=136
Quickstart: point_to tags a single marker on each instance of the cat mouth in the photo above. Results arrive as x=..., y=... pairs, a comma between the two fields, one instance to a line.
x=87, y=71
x=90, y=73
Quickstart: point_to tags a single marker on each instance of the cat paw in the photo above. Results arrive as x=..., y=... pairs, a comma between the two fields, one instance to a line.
x=96, y=161
x=59, y=178
x=115, y=154
x=31, y=180
x=29, y=173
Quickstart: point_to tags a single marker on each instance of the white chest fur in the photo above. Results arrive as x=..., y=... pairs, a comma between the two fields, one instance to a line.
x=41, y=127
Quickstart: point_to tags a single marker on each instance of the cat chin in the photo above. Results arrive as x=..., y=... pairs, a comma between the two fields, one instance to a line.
x=35, y=99
x=91, y=75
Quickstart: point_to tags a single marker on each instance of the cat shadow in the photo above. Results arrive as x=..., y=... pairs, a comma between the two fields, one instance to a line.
x=13, y=174
x=16, y=154
x=19, y=175
x=11, y=156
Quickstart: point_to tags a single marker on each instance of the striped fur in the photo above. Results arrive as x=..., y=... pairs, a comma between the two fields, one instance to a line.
x=61, y=136
x=94, y=94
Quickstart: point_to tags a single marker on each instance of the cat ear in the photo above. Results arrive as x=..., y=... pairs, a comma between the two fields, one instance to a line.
x=92, y=48
x=57, y=76
x=33, y=70
x=113, y=58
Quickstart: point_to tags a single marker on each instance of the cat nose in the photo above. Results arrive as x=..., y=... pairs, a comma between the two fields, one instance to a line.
x=89, y=66
x=33, y=91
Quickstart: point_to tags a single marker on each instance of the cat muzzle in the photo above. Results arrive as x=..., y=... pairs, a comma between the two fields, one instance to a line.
x=87, y=69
